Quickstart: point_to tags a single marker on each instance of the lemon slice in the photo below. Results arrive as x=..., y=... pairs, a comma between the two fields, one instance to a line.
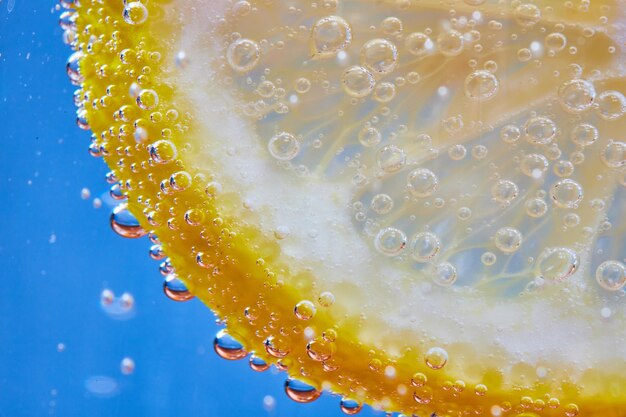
x=414, y=204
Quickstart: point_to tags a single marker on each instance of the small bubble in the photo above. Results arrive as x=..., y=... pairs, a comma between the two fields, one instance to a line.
x=457, y=152
x=422, y=182
x=349, y=406
x=147, y=99
x=418, y=44
x=536, y=207
x=243, y=55
x=135, y=13
x=330, y=35
x=556, y=264
x=125, y=224
x=381, y=204
x=534, y=165
x=358, y=81
x=162, y=151
x=614, y=154
x=390, y=158
x=369, y=136
x=391, y=26
x=510, y=133
x=283, y=146
x=227, y=347
x=175, y=289
x=326, y=299
x=257, y=364
x=481, y=85
x=450, y=43
x=305, y=310
x=611, y=275
x=508, y=239
x=384, y=92
x=390, y=241
x=584, y=134
x=576, y=96
x=540, y=130
x=504, y=191
x=445, y=274
x=527, y=14
x=424, y=246
x=566, y=194
x=436, y=358
x=301, y=392
x=379, y=55
x=611, y=105
x=555, y=42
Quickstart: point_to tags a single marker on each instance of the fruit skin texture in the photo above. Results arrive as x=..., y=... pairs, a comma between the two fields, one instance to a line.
x=232, y=268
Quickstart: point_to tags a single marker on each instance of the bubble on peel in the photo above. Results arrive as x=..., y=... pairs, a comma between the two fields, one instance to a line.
x=534, y=165
x=390, y=241
x=504, y=191
x=419, y=44
x=422, y=182
x=527, y=14
x=379, y=56
x=614, y=154
x=305, y=310
x=162, y=151
x=175, y=289
x=576, y=96
x=445, y=274
x=555, y=42
x=611, y=275
x=556, y=264
x=147, y=99
x=283, y=146
x=257, y=364
x=125, y=224
x=358, y=81
x=566, y=194
x=384, y=92
x=423, y=395
x=381, y=204
x=301, y=392
x=508, y=239
x=243, y=55
x=457, y=152
x=540, y=130
x=584, y=134
x=391, y=26
x=488, y=258
x=611, y=104
x=390, y=158
x=436, y=358
x=424, y=246
x=481, y=85
x=450, y=43
x=330, y=35
x=326, y=299
x=135, y=13
x=349, y=406
x=227, y=347
x=510, y=133
x=369, y=136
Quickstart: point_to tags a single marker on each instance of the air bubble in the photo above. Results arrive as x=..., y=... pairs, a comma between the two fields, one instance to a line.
x=301, y=392
x=540, y=130
x=534, y=165
x=243, y=55
x=508, y=239
x=162, y=151
x=349, y=406
x=527, y=14
x=584, y=134
x=510, y=133
x=135, y=13
x=504, y=191
x=481, y=85
x=381, y=204
x=305, y=310
x=330, y=35
x=227, y=347
x=424, y=246
x=390, y=158
x=614, y=154
x=125, y=224
x=611, y=275
x=418, y=44
x=576, y=96
x=422, y=182
x=379, y=55
x=390, y=241
x=369, y=136
x=556, y=264
x=450, y=43
x=283, y=146
x=358, y=81
x=436, y=358
x=611, y=105
x=566, y=194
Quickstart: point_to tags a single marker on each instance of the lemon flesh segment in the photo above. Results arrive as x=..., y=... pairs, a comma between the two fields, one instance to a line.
x=412, y=204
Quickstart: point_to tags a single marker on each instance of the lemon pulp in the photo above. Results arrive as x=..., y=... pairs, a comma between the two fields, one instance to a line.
x=415, y=205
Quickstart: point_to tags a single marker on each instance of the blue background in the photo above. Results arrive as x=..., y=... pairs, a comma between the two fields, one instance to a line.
x=57, y=255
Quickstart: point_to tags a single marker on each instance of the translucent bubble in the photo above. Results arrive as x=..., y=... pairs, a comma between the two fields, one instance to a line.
x=301, y=392
x=457, y=152
x=266, y=89
x=436, y=358
x=163, y=151
x=349, y=406
x=556, y=264
x=445, y=274
x=510, y=133
x=481, y=85
x=488, y=258
x=369, y=136
x=566, y=194
x=330, y=35
x=147, y=99
x=125, y=224
x=611, y=104
x=73, y=69
x=390, y=158
x=175, y=289
x=423, y=395
x=418, y=44
x=504, y=191
x=571, y=220
x=379, y=55
x=326, y=299
x=584, y=134
x=422, y=182
x=390, y=241
x=450, y=43
x=527, y=14
x=381, y=204
x=384, y=92
x=302, y=85
x=135, y=13
x=614, y=154
x=611, y=275
x=540, y=130
x=258, y=364
x=227, y=347
x=276, y=347
x=555, y=42
x=305, y=310
x=243, y=55
x=534, y=165
x=391, y=26
x=358, y=81
x=508, y=239
x=283, y=146
x=563, y=168
x=576, y=96
x=424, y=246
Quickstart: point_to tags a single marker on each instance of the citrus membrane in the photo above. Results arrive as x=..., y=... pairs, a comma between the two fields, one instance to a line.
x=413, y=204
